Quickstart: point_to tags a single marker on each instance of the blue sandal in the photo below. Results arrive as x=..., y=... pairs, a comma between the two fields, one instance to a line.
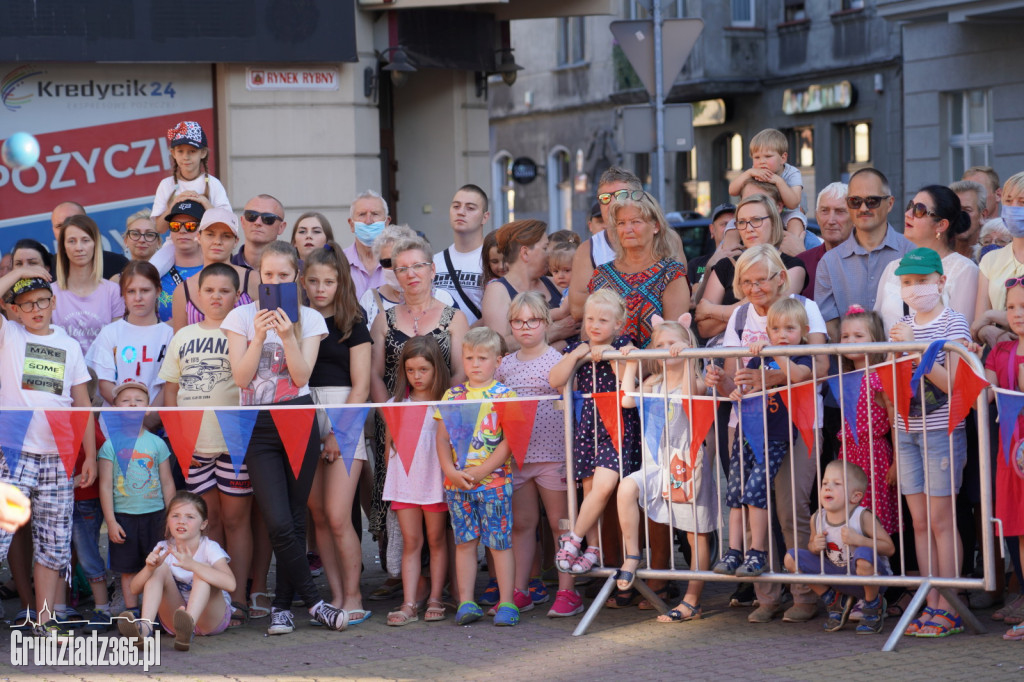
x=919, y=622
x=953, y=625
x=676, y=616
x=507, y=615
x=627, y=576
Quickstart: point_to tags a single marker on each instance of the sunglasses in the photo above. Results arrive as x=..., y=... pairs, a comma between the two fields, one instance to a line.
x=1014, y=281
x=870, y=202
x=385, y=263
x=190, y=226
x=919, y=210
x=620, y=195
x=267, y=218
x=136, y=235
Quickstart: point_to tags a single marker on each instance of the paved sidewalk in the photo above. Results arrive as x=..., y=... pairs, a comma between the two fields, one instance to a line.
x=622, y=644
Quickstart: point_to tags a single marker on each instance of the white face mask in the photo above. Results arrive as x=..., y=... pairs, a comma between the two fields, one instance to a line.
x=922, y=298
x=391, y=278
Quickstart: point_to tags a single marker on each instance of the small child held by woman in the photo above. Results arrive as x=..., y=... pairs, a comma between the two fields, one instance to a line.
x=186, y=580
x=416, y=493
x=672, y=487
x=751, y=476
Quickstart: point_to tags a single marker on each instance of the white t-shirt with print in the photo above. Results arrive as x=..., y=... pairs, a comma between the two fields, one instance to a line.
x=125, y=351
x=469, y=270
x=39, y=371
x=272, y=383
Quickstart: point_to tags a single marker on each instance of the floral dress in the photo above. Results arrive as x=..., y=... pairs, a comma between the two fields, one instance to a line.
x=887, y=506
x=642, y=291
x=593, y=445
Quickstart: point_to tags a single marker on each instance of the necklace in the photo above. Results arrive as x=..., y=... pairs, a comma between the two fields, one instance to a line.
x=416, y=318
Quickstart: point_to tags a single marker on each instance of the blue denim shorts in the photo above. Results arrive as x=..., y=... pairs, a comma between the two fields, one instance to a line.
x=945, y=468
x=85, y=538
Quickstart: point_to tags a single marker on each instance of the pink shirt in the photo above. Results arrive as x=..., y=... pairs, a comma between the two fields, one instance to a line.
x=362, y=279
x=84, y=317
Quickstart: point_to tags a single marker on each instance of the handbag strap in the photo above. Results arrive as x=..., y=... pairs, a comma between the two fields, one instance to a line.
x=458, y=287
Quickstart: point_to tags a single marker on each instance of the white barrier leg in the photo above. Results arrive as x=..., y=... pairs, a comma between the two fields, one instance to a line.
x=912, y=610
x=971, y=621
x=596, y=606
x=653, y=599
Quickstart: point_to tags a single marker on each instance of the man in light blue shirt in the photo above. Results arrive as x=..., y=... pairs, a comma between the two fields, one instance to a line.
x=849, y=273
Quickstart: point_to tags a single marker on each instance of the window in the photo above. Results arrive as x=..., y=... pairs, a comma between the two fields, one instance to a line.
x=794, y=11
x=853, y=4
x=854, y=147
x=742, y=13
x=970, y=130
x=801, y=147
x=670, y=9
x=571, y=41
x=502, y=190
x=559, y=189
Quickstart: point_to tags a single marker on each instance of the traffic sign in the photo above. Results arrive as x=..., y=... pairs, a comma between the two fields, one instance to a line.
x=638, y=130
x=636, y=38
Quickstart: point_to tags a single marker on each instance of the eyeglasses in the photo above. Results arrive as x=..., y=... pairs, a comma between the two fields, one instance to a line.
x=41, y=304
x=415, y=267
x=385, y=263
x=755, y=222
x=621, y=195
x=267, y=218
x=135, y=236
x=1014, y=281
x=190, y=226
x=531, y=323
x=871, y=203
x=919, y=210
x=757, y=283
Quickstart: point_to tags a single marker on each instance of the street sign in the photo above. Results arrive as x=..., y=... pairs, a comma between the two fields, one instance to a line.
x=639, y=133
x=636, y=38
x=524, y=170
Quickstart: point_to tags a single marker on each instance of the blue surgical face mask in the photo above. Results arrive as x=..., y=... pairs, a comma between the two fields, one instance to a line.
x=367, y=234
x=1013, y=217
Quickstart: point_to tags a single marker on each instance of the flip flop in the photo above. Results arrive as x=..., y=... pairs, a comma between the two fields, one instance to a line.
x=676, y=616
x=358, y=616
x=255, y=610
x=238, y=621
x=1015, y=634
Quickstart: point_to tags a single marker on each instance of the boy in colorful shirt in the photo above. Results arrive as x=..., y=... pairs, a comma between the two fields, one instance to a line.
x=478, y=490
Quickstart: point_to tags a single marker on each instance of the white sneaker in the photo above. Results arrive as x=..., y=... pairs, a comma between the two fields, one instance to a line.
x=281, y=622
x=331, y=616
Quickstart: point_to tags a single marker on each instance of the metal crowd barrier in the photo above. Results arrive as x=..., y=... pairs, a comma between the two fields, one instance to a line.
x=948, y=586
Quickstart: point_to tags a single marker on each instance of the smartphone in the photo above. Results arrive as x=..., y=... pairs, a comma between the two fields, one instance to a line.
x=284, y=296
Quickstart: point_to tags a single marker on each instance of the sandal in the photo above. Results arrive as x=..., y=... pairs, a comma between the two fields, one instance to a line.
x=387, y=590
x=568, y=552
x=255, y=610
x=919, y=622
x=898, y=607
x=586, y=561
x=401, y=617
x=627, y=577
x=239, y=615
x=1013, y=609
x=664, y=594
x=435, y=611
x=954, y=625
x=623, y=599
x=676, y=616
x=184, y=630
x=1015, y=634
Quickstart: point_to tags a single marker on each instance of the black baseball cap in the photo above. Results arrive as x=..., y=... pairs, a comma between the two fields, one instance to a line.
x=595, y=210
x=23, y=286
x=720, y=209
x=189, y=208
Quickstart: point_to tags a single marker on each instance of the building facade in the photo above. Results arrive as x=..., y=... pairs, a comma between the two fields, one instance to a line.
x=827, y=73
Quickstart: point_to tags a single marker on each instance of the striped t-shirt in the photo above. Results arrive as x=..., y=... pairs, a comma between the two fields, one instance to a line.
x=951, y=326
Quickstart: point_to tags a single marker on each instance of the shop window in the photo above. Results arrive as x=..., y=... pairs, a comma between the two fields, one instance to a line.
x=970, y=130
x=559, y=189
x=503, y=190
x=854, y=147
x=742, y=14
x=729, y=156
x=571, y=41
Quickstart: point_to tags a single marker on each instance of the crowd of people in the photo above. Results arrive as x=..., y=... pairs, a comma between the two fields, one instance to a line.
x=196, y=321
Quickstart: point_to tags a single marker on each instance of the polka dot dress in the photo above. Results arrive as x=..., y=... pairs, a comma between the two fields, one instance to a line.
x=886, y=508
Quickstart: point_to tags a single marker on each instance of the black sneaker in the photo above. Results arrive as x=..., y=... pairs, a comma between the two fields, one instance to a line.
x=281, y=622
x=331, y=616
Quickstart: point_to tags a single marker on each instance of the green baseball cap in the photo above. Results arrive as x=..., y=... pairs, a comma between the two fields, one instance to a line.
x=922, y=261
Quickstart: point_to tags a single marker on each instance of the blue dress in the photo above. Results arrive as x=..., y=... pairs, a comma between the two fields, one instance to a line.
x=593, y=445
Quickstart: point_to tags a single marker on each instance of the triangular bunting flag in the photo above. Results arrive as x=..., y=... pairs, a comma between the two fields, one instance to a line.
x=608, y=408
x=654, y=423
x=895, y=380
x=68, y=428
x=928, y=359
x=293, y=427
x=800, y=402
x=967, y=386
x=236, y=427
x=853, y=383
x=347, y=423
x=13, y=426
x=752, y=425
x=123, y=428
x=517, y=417
x=182, y=427
x=1010, y=406
x=405, y=422
x=577, y=406
x=460, y=420
x=702, y=415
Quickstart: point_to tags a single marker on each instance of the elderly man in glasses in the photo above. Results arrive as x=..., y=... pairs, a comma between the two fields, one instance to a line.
x=262, y=222
x=849, y=273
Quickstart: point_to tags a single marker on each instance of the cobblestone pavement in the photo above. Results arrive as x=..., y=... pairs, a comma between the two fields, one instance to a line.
x=623, y=644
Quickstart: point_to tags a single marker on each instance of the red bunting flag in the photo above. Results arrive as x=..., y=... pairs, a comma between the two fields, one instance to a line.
x=608, y=407
x=293, y=427
x=894, y=376
x=800, y=401
x=68, y=430
x=405, y=423
x=966, y=387
x=182, y=429
x=517, y=425
x=701, y=414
